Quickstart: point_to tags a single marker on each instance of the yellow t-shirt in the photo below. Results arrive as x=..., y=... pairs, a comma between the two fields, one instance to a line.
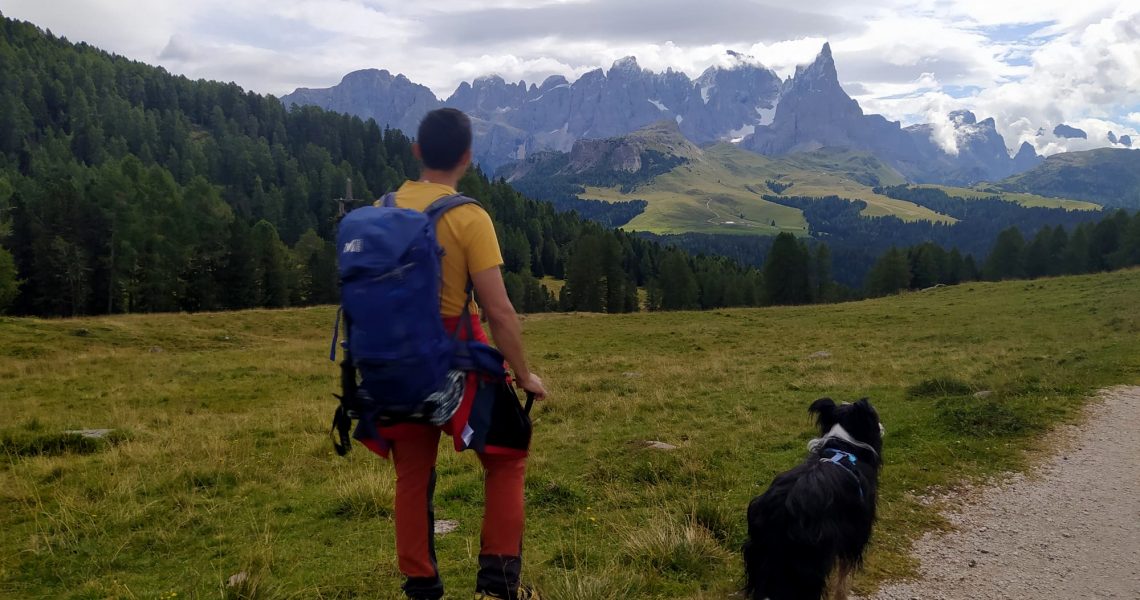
x=466, y=235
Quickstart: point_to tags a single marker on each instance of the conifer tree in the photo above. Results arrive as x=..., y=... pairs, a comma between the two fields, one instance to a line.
x=787, y=272
x=890, y=274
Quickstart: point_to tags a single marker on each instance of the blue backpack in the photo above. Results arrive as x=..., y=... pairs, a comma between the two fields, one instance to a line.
x=390, y=280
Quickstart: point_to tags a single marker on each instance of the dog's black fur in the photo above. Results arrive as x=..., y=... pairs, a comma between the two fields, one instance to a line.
x=817, y=517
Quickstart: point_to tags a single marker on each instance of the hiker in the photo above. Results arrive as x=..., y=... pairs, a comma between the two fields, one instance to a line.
x=478, y=411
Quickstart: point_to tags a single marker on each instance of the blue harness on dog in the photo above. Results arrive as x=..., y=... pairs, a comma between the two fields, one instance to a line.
x=847, y=461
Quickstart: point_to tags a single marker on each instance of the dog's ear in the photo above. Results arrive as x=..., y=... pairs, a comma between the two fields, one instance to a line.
x=864, y=404
x=824, y=411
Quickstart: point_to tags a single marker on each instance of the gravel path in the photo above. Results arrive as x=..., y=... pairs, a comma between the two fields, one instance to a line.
x=1068, y=530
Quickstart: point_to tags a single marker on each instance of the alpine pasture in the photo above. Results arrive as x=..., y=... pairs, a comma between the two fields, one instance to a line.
x=219, y=481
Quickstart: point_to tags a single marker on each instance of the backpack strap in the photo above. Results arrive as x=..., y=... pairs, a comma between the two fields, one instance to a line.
x=388, y=200
x=435, y=211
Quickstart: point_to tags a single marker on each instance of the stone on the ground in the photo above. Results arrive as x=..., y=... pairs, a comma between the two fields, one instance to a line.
x=445, y=526
x=90, y=433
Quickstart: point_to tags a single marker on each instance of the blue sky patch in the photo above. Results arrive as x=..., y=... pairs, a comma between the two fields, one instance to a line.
x=961, y=91
x=1018, y=33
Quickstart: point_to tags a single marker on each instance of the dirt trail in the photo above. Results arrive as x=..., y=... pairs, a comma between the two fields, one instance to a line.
x=1070, y=529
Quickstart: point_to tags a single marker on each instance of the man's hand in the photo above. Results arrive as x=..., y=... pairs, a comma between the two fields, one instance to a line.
x=505, y=327
x=533, y=384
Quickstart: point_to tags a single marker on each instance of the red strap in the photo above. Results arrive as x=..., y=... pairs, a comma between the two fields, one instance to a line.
x=452, y=323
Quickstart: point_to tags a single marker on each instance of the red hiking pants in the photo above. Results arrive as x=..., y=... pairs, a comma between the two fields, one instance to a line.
x=503, y=519
x=414, y=452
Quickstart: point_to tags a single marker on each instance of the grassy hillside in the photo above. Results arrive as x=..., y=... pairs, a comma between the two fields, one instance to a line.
x=220, y=462
x=1106, y=176
x=1022, y=198
x=720, y=191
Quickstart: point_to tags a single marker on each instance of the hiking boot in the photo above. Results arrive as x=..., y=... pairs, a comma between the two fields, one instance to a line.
x=523, y=593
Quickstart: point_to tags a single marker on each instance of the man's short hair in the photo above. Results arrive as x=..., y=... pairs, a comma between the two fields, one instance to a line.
x=444, y=135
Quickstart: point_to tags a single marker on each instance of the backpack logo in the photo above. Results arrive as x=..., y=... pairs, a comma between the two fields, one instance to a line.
x=356, y=245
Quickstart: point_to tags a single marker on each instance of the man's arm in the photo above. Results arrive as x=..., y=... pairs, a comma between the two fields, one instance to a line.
x=505, y=328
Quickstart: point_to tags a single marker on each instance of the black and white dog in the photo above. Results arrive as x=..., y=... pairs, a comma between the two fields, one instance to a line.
x=807, y=533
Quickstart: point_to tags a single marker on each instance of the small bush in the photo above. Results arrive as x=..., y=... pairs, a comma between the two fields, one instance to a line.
x=252, y=581
x=688, y=550
x=208, y=482
x=723, y=522
x=654, y=472
x=609, y=585
x=939, y=387
x=370, y=497
x=546, y=494
x=49, y=444
x=981, y=417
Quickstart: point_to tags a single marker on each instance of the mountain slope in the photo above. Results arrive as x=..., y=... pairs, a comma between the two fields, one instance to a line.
x=655, y=180
x=1106, y=176
x=394, y=100
x=718, y=189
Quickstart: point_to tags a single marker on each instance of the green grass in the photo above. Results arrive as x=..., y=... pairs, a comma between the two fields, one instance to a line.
x=222, y=463
x=1026, y=200
x=721, y=190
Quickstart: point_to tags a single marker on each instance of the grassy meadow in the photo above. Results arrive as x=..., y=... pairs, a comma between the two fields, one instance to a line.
x=220, y=462
x=720, y=191
x=1026, y=200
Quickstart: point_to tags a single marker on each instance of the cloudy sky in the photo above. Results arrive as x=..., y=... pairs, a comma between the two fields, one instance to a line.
x=1030, y=64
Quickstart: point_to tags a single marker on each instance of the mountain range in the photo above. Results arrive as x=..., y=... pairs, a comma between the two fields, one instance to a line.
x=744, y=103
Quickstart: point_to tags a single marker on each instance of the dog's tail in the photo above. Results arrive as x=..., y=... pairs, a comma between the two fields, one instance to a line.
x=785, y=573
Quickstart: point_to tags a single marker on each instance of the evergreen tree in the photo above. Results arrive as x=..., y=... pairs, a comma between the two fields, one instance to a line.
x=890, y=274
x=1038, y=255
x=825, y=286
x=585, y=277
x=271, y=274
x=9, y=284
x=1058, y=246
x=787, y=272
x=1104, y=241
x=678, y=286
x=1129, y=253
x=1076, y=258
x=970, y=270
x=954, y=265
x=1007, y=259
x=926, y=265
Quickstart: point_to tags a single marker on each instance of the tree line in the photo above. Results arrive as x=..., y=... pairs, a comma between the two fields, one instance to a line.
x=1107, y=245
x=124, y=188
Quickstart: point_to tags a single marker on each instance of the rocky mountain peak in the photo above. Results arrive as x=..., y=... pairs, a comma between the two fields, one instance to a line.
x=552, y=82
x=1067, y=131
x=962, y=117
x=1026, y=158
x=624, y=65
x=819, y=76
